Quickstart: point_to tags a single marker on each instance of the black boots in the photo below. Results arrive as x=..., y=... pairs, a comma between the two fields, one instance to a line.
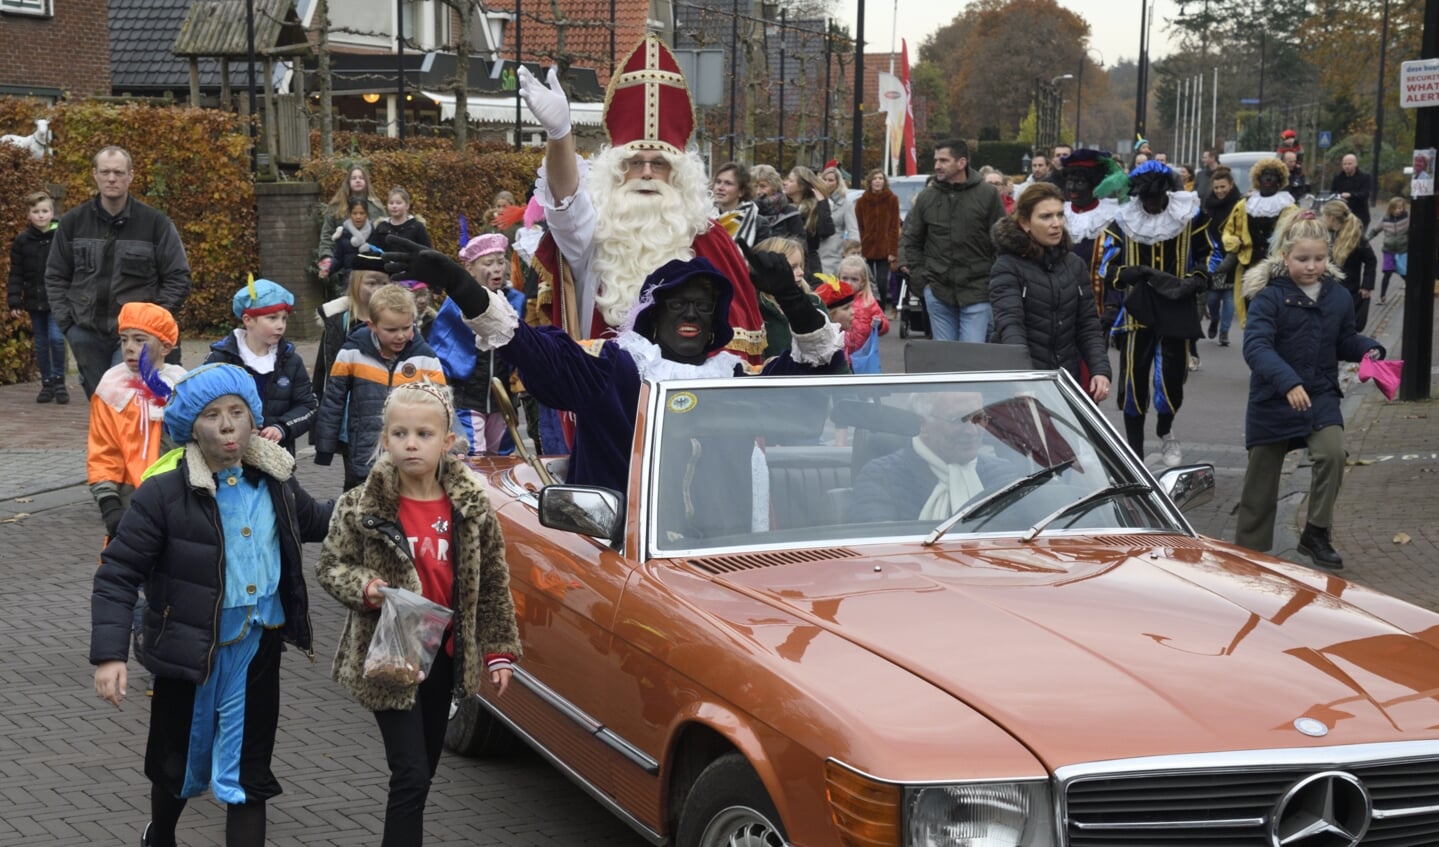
x=53, y=390
x=1314, y=543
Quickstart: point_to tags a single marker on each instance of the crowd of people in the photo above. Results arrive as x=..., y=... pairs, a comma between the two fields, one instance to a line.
x=638, y=262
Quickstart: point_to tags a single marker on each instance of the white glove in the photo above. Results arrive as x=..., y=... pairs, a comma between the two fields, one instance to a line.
x=547, y=104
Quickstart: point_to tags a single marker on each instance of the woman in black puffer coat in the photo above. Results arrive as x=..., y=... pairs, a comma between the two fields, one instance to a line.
x=1041, y=294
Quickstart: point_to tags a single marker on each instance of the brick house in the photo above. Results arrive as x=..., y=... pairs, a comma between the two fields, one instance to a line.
x=38, y=55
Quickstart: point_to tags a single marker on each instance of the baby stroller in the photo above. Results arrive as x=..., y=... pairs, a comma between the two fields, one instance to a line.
x=912, y=316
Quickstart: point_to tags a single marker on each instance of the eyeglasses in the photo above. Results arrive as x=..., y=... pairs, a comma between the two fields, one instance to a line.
x=658, y=167
x=703, y=308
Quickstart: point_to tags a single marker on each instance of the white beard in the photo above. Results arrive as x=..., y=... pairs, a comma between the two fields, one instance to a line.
x=634, y=235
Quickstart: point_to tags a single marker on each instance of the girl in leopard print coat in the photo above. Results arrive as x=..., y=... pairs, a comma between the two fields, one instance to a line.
x=422, y=522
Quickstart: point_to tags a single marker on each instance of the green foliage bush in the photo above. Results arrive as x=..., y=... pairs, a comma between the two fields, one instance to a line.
x=192, y=164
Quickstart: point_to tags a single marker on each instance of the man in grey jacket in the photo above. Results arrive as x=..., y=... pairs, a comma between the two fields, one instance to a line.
x=109, y=251
x=946, y=249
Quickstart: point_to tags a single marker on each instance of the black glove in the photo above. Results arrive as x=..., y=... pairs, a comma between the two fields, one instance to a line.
x=1132, y=276
x=111, y=511
x=1227, y=265
x=417, y=261
x=324, y=458
x=771, y=274
x=1172, y=287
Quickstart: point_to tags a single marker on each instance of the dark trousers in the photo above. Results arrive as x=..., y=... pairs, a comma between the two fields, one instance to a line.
x=413, y=741
x=879, y=281
x=49, y=347
x=1143, y=356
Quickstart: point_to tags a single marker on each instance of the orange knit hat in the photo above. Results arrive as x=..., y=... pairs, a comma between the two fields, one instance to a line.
x=147, y=317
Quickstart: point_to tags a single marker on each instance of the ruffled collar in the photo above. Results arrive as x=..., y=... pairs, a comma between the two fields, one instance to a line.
x=1085, y=225
x=1138, y=225
x=1256, y=205
x=652, y=364
x=119, y=387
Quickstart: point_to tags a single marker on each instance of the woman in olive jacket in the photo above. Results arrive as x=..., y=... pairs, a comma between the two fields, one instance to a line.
x=1041, y=294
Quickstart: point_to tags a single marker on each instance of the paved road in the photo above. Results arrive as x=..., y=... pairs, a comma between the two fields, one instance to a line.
x=72, y=773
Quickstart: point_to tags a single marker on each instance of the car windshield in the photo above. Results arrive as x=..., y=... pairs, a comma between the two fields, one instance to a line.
x=798, y=462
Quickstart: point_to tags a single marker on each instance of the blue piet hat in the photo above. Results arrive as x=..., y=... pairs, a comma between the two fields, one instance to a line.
x=673, y=274
x=201, y=387
x=1152, y=177
x=261, y=297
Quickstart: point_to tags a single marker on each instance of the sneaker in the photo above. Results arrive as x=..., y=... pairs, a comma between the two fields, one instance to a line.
x=1194, y=363
x=1314, y=543
x=145, y=836
x=1381, y=301
x=1213, y=328
x=62, y=394
x=47, y=393
x=1170, y=452
x=1224, y=338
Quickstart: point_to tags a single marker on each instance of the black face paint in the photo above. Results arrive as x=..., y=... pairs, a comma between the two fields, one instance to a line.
x=1268, y=183
x=1079, y=191
x=1155, y=203
x=684, y=321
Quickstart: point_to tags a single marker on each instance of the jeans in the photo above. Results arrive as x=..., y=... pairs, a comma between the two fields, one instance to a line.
x=413, y=740
x=1221, y=306
x=49, y=347
x=957, y=323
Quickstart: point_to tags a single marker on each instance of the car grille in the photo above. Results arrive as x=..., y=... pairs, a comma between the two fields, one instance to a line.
x=1235, y=808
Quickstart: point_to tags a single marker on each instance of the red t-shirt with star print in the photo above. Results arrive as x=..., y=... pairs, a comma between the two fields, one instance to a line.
x=426, y=524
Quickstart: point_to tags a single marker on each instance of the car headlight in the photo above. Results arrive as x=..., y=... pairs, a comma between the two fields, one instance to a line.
x=984, y=814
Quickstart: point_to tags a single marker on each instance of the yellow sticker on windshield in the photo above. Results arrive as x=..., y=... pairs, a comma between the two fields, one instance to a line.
x=683, y=401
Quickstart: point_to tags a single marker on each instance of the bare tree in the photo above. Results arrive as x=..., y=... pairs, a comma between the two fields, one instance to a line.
x=322, y=44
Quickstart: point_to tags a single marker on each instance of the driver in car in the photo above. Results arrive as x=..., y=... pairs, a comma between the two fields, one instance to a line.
x=678, y=329
x=938, y=471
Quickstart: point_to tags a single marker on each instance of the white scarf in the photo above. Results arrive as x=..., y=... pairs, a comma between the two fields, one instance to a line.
x=956, y=484
x=358, y=237
x=255, y=362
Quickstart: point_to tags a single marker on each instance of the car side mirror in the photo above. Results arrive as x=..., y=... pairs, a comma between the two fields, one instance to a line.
x=1189, y=485
x=587, y=510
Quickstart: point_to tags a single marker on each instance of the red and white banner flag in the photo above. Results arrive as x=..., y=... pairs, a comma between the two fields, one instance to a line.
x=911, y=161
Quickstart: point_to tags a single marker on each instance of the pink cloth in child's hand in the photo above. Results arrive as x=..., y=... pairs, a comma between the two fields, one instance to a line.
x=1384, y=372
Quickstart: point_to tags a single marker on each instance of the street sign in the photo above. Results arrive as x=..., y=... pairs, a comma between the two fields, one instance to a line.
x=1249, y=101
x=1419, y=84
x=1326, y=139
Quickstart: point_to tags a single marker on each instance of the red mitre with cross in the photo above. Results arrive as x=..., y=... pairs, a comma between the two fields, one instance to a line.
x=647, y=105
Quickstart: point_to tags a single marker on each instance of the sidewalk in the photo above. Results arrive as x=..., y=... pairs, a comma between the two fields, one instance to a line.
x=1392, y=484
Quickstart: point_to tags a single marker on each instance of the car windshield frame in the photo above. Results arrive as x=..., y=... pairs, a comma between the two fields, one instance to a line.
x=669, y=398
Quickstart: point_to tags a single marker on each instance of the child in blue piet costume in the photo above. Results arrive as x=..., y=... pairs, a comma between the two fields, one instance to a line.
x=214, y=535
x=677, y=330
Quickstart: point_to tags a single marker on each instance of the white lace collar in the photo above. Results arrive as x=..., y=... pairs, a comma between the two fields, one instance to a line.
x=1085, y=225
x=259, y=364
x=1256, y=205
x=652, y=364
x=1138, y=225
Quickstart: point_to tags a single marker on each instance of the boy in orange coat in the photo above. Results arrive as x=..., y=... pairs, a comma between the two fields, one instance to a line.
x=127, y=410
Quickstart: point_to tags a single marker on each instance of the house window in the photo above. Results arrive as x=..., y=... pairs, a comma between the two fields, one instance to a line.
x=38, y=8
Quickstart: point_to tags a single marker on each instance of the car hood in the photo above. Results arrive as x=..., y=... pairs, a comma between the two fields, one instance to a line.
x=1088, y=650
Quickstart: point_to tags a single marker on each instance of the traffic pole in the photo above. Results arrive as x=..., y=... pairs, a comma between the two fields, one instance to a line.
x=1418, y=340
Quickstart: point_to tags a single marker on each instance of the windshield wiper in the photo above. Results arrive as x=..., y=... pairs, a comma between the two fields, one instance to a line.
x=1020, y=484
x=1102, y=494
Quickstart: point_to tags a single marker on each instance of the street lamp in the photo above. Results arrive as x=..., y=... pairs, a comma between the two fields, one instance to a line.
x=1079, y=92
x=1055, y=108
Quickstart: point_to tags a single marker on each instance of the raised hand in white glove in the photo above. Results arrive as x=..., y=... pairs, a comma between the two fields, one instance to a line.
x=547, y=102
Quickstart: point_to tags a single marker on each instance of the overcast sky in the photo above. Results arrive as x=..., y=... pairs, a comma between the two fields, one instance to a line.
x=1113, y=24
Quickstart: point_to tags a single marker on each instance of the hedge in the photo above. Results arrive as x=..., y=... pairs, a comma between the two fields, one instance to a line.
x=192, y=164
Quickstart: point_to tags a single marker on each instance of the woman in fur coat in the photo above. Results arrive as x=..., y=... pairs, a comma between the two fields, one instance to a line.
x=421, y=522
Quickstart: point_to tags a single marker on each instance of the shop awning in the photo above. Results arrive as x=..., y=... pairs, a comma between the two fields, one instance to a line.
x=501, y=110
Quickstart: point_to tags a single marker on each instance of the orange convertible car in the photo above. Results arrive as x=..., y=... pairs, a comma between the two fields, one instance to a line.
x=927, y=610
